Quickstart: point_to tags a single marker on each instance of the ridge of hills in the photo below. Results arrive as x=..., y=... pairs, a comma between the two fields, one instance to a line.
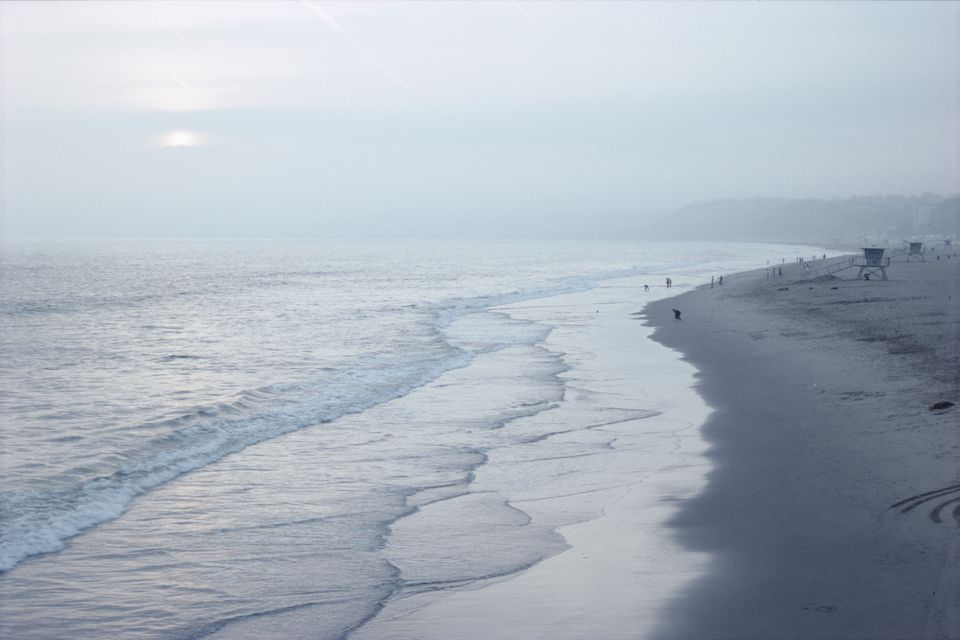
x=823, y=221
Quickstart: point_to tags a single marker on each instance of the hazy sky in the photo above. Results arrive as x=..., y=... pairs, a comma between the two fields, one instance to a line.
x=424, y=119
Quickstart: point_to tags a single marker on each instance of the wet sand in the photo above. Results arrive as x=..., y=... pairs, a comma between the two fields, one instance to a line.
x=833, y=506
x=623, y=563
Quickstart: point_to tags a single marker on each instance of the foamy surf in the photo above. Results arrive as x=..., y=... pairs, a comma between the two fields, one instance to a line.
x=322, y=418
x=36, y=522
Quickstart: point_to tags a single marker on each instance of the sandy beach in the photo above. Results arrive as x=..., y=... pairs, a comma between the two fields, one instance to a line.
x=403, y=320
x=831, y=509
x=812, y=494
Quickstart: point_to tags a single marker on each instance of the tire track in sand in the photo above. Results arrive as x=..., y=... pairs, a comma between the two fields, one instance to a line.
x=941, y=499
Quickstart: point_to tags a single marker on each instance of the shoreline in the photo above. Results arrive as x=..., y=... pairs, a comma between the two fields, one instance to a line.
x=821, y=433
x=813, y=496
x=622, y=565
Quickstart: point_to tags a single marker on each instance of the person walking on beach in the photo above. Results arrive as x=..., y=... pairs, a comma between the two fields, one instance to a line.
x=720, y=281
x=780, y=269
x=676, y=313
x=711, y=282
x=646, y=287
x=669, y=283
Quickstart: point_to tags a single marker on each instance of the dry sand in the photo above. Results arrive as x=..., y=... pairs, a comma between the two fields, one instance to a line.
x=833, y=507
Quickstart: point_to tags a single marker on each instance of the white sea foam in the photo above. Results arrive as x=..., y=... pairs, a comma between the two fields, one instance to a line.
x=101, y=408
x=40, y=522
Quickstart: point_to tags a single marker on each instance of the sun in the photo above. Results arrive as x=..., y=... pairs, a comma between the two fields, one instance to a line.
x=181, y=138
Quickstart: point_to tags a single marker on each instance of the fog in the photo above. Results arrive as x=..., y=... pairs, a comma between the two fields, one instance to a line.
x=473, y=119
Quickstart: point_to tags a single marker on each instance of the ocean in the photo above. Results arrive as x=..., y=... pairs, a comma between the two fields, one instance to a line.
x=207, y=438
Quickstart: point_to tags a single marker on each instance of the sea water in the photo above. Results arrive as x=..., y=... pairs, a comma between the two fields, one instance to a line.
x=217, y=438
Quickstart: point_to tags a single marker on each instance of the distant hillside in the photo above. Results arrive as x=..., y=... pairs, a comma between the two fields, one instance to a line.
x=846, y=220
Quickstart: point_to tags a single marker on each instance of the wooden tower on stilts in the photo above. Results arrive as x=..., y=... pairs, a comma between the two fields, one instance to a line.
x=871, y=263
x=916, y=252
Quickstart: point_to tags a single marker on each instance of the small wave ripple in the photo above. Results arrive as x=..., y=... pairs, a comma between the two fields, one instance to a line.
x=40, y=521
x=34, y=522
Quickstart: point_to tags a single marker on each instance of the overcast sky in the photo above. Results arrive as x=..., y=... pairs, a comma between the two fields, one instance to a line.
x=426, y=119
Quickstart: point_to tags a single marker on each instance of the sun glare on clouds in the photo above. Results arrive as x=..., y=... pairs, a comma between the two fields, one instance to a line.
x=181, y=138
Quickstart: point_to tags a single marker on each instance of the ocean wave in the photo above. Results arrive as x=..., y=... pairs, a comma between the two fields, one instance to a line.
x=36, y=522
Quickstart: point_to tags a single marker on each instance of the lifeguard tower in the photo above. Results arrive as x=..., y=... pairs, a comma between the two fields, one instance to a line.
x=915, y=252
x=871, y=263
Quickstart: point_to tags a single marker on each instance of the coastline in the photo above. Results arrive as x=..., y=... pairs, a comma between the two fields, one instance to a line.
x=821, y=434
x=809, y=494
x=623, y=564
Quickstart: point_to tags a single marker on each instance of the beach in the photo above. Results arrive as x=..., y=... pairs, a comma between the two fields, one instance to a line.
x=817, y=498
x=622, y=563
x=831, y=507
x=570, y=462
x=318, y=444
x=479, y=320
